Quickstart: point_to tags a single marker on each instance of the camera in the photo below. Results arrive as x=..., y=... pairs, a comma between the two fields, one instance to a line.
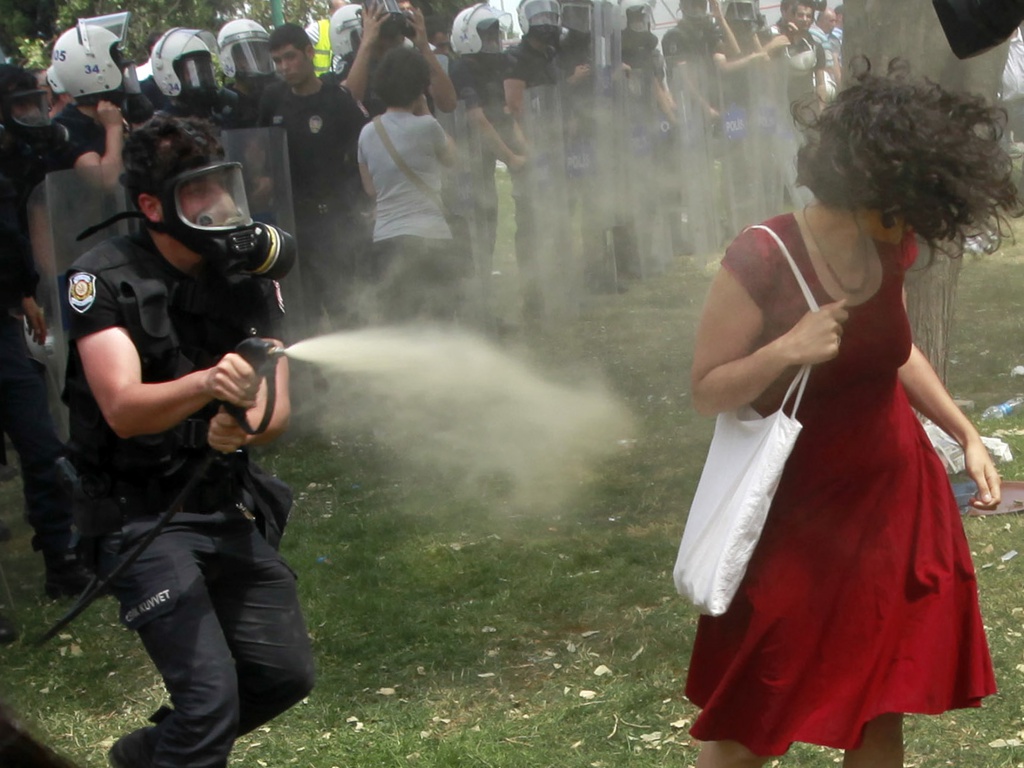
x=975, y=26
x=398, y=22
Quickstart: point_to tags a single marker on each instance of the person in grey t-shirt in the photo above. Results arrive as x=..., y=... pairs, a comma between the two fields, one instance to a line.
x=415, y=267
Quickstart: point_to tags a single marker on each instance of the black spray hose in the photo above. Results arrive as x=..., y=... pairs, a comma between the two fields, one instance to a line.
x=262, y=356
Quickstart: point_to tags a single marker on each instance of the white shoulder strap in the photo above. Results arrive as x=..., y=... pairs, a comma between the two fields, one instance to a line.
x=800, y=382
x=792, y=265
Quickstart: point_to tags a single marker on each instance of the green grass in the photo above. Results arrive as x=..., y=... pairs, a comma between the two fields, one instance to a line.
x=450, y=631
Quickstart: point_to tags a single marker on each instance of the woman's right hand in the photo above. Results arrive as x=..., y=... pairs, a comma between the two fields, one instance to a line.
x=816, y=337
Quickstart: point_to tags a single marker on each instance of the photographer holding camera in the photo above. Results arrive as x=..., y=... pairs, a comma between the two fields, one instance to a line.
x=386, y=25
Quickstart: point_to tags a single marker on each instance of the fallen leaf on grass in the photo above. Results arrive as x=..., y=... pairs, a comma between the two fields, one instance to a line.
x=680, y=724
x=386, y=691
x=602, y=670
x=588, y=695
x=999, y=743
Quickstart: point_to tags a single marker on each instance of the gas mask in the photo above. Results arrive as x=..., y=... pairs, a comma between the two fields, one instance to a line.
x=26, y=116
x=206, y=210
x=548, y=34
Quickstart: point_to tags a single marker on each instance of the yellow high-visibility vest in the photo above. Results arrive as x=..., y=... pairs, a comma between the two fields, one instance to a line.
x=322, y=56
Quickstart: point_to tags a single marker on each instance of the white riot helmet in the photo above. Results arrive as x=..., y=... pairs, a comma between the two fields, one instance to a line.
x=346, y=30
x=478, y=29
x=182, y=61
x=53, y=81
x=86, y=61
x=639, y=15
x=539, y=13
x=244, y=49
x=694, y=9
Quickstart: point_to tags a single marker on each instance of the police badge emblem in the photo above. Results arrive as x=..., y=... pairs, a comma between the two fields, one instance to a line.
x=81, y=291
x=315, y=124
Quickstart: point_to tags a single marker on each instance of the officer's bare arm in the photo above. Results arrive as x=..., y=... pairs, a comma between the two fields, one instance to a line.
x=131, y=408
x=227, y=436
x=515, y=91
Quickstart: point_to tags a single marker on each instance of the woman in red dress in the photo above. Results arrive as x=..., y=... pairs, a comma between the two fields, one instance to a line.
x=860, y=602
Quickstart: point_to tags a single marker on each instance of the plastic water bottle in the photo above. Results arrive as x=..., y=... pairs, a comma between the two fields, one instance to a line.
x=1003, y=409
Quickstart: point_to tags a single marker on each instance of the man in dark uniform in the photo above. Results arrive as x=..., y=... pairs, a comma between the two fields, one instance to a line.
x=322, y=121
x=531, y=64
x=153, y=322
x=89, y=69
x=245, y=57
x=26, y=142
x=478, y=74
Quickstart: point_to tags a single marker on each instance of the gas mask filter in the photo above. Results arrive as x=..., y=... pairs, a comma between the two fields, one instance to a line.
x=206, y=210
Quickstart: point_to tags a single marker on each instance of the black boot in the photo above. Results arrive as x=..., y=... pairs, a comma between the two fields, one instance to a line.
x=133, y=750
x=8, y=632
x=65, y=575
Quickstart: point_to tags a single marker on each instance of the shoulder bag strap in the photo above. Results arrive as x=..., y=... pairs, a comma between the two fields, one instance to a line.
x=800, y=382
x=410, y=174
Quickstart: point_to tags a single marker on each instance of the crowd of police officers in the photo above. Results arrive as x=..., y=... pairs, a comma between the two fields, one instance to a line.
x=145, y=215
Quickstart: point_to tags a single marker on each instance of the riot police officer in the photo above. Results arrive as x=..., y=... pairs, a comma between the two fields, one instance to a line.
x=479, y=78
x=87, y=63
x=184, y=71
x=153, y=322
x=27, y=142
x=245, y=57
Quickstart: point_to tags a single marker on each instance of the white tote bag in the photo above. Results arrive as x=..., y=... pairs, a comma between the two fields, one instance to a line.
x=745, y=461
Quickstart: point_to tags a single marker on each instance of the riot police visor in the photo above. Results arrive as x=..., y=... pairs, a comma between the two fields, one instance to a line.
x=252, y=58
x=212, y=198
x=575, y=16
x=637, y=20
x=30, y=109
x=490, y=36
x=541, y=12
x=196, y=72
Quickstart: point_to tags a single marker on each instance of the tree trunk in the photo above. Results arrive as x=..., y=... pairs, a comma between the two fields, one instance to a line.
x=882, y=30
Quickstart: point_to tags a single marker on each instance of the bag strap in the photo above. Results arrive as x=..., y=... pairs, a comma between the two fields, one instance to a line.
x=799, y=384
x=410, y=174
x=805, y=289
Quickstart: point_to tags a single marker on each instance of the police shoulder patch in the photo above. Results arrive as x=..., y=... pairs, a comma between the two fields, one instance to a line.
x=81, y=291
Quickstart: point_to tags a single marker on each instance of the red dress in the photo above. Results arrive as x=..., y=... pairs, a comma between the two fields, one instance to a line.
x=861, y=597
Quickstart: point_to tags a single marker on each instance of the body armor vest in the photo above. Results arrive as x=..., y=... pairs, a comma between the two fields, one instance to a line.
x=177, y=325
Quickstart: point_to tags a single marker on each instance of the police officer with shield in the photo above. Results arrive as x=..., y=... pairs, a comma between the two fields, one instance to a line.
x=487, y=132
x=27, y=143
x=155, y=392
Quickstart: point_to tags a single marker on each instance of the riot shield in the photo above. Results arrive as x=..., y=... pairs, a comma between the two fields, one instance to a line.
x=786, y=137
x=471, y=197
x=549, y=271
x=263, y=153
x=744, y=192
x=771, y=118
x=647, y=133
x=695, y=155
x=594, y=129
x=62, y=206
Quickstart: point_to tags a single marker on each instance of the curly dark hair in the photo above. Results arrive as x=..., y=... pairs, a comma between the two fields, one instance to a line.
x=911, y=149
x=162, y=148
x=402, y=76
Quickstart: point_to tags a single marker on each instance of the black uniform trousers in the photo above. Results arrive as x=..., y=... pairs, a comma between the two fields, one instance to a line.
x=217, y=610
x=25, y=418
